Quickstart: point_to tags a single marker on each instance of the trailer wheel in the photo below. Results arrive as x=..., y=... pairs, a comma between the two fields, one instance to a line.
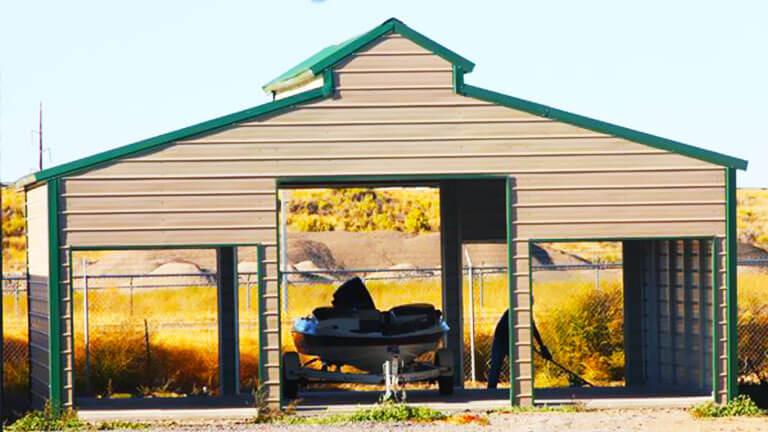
x=444, y=357
x=291, y=365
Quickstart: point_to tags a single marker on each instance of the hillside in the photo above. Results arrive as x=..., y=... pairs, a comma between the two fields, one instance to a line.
x=14, y=239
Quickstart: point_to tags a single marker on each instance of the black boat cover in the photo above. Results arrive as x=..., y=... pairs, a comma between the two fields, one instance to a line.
x=353, y=295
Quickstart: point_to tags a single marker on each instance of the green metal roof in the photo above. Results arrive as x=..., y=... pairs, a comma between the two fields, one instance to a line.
x=323, y=62
x=329, y=56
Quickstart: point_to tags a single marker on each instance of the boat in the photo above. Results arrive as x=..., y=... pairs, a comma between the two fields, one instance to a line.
x=353, y=332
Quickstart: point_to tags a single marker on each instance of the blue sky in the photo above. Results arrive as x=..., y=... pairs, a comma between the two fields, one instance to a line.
x=113, y=73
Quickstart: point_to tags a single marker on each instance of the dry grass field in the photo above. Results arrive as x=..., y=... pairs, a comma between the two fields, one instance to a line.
x=176, y=353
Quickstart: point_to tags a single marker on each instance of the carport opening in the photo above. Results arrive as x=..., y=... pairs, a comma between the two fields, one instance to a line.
x=622, y=318
x=440, y=243
x=578, y=314
x=389, y=238
x=156, y=324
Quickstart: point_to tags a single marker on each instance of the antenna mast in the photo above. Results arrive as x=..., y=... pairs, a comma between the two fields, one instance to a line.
x=40, y=139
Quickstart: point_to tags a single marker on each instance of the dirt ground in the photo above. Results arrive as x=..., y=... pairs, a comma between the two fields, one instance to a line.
x=661, y=420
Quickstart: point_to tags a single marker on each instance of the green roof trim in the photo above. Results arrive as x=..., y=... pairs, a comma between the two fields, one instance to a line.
x=330, y=56
x=601, y=126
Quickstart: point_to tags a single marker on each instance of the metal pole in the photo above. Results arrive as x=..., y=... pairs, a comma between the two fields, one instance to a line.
x=482, y=287
x=248, y=293
x=86, y=336
x=283, y=249
x=471, y=315
x=597, y=276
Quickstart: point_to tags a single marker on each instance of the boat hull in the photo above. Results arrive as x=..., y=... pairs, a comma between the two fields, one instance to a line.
x=367, y=353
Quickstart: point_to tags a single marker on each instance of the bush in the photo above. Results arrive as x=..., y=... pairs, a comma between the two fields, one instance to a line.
x=742, y=405
x=48, y=419
x=387, y=412
x=584, y=332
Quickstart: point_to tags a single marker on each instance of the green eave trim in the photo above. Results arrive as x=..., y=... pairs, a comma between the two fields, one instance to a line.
x=602, y=127
x=187, y=132
x=332, y=55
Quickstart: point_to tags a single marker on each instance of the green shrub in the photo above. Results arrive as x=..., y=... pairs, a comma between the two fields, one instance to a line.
x=387, y=412
x=49, y=419
x=740, y=406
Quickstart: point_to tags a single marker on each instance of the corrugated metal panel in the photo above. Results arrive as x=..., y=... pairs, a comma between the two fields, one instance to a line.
x=677, y=337
x=37, y=267
x=570, y=182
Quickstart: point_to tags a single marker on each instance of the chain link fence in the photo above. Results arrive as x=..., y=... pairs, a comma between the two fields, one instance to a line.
x=156, y=332
x=15, y=341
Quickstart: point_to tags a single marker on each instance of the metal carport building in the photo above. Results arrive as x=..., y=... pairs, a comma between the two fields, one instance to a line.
x=391, y=107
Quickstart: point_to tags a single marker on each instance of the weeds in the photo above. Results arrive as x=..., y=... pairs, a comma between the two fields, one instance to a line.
x=49, y=419
x=565, y=408
x=740, y=406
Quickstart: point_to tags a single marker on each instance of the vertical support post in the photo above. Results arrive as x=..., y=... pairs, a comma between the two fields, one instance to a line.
x=688, y=362
x=284, y=246
x=260, y=311
x=226, y=260
x=471, y=316
x=55, y=368
x=451, y=273
x=86, y=334
x=632, y=269
x=731, y=282
x=702, y=312
x=715, y=339
x=672, y=309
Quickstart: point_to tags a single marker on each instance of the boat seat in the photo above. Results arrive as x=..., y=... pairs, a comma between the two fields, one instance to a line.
x=411, y=317
x=369, y=321
x=324, y=313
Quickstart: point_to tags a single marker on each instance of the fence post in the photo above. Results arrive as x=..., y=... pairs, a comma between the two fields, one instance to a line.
x=86, y=335
x=481, y=275
x=597, y=276
x=283, y=250
x=248, y=293
x=471, y=315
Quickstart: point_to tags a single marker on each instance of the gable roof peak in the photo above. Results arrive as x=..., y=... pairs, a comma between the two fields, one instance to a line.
x=333, y=54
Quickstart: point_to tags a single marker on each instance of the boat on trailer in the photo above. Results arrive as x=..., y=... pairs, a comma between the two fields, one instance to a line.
x=353, y=332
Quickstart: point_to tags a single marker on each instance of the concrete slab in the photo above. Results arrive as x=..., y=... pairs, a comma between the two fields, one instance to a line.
x=320, y=402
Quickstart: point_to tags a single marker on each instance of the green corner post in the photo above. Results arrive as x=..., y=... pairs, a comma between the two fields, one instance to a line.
x=54, y=297
x=731, y=245
x=511, y=286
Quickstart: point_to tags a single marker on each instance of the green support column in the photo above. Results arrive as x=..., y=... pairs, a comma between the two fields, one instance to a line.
x=54, y=299
x=731, y=247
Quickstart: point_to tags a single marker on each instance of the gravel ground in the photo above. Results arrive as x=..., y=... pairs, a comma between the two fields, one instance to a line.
x=614, y=420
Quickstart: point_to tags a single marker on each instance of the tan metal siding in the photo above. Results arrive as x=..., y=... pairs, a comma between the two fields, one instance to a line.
x=395, y=113
x=39, y=312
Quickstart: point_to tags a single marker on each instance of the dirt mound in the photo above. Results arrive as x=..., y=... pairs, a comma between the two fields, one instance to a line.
x=316, y=252
x=173, y=269
x=403, y=270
